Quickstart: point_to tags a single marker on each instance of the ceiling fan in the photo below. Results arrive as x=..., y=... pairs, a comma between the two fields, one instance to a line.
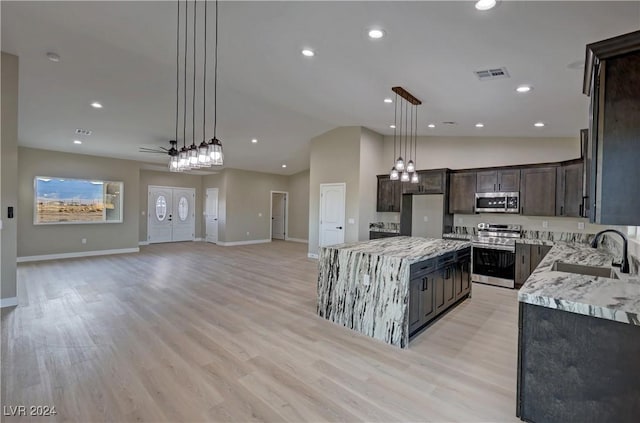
x=161, y=150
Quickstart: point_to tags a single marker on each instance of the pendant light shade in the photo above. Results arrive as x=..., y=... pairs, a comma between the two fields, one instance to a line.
x=411, y=167
x=414, y=178
x=405, y=176
x=394, y=175
x=400, y=164
x=215, y=152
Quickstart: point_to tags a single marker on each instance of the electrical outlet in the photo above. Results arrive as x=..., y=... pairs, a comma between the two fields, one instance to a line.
x=259, y=214
x=545, y=224
x=426, y=218
x=143, y=212
x=460, y=221
x=366, y=280
x=580, y=225
x=247, y=233
x=352, y=221
x=84, y=240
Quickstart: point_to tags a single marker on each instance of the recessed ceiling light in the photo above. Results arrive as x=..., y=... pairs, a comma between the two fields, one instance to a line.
x=284, y=165
x=431, y=125
x=392, y=126
x=96, y=105
x=254, y=141
x=308, y=52
x=376, y=34
x=524, y=88
x=479, y=125
x=388, y=100
x=77, y=142
x=53, y=57
x=485, y=4
x=538, y=124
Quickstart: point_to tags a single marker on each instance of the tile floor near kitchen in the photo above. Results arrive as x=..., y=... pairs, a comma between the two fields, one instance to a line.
x=196, y=332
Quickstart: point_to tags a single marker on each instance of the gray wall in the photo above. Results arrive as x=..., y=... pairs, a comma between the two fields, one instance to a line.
x=371, y=164
x=9, y=175
x=218, y=181
x=335, y=157
x=64, y=238
x=168, y=179
x=299, y=205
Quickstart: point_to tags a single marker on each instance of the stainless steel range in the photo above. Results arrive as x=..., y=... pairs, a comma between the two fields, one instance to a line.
x=494, y=254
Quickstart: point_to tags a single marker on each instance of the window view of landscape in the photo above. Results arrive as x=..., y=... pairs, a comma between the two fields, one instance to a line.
x=77, y=201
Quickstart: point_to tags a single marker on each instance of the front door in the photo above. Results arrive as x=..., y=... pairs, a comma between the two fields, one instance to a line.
x=211, y=215
x=171, y=214
x=278, y=210
x=332, y=214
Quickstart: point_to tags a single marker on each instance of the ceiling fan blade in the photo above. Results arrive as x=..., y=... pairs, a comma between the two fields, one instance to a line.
x=150, y=150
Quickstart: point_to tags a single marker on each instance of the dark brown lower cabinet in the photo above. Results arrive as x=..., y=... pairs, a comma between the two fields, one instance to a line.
x=436, y=285
x=528, y=257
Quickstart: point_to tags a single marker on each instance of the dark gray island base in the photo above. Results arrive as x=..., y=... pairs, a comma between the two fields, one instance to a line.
x=390, y=289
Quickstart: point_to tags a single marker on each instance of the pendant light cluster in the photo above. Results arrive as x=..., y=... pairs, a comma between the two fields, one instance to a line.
x=205, y=154
x=405, y=137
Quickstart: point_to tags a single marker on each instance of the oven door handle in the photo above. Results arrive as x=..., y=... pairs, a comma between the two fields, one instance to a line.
x=495, y=247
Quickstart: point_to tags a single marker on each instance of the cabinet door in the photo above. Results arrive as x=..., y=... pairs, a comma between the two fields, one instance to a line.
x=449, y=286
x=487, y=181
x=388, y=194
x=462, y=193
x=537, y=254
x=431, y=182
x=523, y=263
x=439, y=300
x=462, y=278
x=538, y=191
x=428, y=307
x=415, y=303
x=509, y=180
x=569, y=190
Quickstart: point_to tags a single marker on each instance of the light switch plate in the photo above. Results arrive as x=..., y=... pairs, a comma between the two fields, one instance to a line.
x=352, y=221
x=580, y=225
x=426, y=218
x=259, y=214
x=545, y=224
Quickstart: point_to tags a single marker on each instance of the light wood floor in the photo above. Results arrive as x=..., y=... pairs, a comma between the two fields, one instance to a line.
x=195, y=332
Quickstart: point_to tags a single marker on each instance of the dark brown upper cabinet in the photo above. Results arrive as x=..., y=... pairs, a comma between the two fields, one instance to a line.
x=502, y=180
x=431, y=182
x=612, y=80
x=462, y=192
x=389, y=194
x=538, y=191
x=569, y=190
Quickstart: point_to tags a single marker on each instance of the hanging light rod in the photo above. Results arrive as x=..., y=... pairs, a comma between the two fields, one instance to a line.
x=406, y=95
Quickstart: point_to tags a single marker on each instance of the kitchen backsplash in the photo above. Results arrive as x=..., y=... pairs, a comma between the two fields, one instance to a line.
x=384, y=226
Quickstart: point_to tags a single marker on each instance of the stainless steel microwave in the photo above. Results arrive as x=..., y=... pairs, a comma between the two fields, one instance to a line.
x=497, y=202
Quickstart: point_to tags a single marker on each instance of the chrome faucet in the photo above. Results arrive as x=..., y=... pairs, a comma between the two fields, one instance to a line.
x=624, y=264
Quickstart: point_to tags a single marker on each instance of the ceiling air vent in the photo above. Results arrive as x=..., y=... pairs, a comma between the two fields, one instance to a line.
x=83, y=131
x=488, y=74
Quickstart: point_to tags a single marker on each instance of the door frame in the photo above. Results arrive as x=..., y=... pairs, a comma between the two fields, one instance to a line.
x=286, y=214
x=195, y=192
x=344, y=201
x=204, y=213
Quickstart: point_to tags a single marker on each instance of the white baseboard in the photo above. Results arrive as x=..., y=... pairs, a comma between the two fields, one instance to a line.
x=249, y=242
x=304, y=241
x=142, y=243
x=198, y=239
x=313, y=256
x=8, y=302
x=77, y=254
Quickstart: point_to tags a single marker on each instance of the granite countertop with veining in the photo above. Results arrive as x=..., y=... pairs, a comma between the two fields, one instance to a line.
x=411, y=249
x=457, y=236
x=605, y=298
x=530, y=241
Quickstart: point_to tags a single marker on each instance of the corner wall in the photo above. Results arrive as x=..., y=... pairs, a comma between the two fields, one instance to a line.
x=371, y=164
x=335, y=158
x=8, y=179
x=299, y=206
x=35, y=240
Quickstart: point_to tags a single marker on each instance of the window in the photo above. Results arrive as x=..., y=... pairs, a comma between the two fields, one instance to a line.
x=64, y=200
x=161, y=208
x=183, y=208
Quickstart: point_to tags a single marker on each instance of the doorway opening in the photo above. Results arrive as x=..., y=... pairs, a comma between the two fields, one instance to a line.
x=279, y=215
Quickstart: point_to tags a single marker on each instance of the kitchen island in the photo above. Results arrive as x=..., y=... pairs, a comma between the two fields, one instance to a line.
x=579, y=340
x=391, y=288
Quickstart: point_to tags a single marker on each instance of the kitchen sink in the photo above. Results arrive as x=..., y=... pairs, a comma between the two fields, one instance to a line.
x=579, y=269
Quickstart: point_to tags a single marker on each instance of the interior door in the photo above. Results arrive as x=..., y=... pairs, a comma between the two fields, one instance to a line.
x=160, y=217
x=332, y=214
x=278, y=210
x=211, y=215
x=184, y=214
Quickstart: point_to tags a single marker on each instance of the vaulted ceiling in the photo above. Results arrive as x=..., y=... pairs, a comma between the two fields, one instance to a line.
x=122, y=54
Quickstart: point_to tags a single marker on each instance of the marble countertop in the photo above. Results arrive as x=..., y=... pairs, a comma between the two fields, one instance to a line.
x=606, y=298
x=530, y=241
x=411, y=249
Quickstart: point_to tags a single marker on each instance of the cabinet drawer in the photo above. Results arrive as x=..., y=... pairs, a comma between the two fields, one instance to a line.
x=422, y=268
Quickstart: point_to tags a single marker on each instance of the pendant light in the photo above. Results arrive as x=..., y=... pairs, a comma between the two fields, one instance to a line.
x=405, y=172
x=216, y=154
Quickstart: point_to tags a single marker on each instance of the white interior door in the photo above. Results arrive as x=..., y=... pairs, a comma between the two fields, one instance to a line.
x=332, y=214
x=171, y=214
x=211, y=215
x=160, y=217
x=184, y=214
x=278, y=213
